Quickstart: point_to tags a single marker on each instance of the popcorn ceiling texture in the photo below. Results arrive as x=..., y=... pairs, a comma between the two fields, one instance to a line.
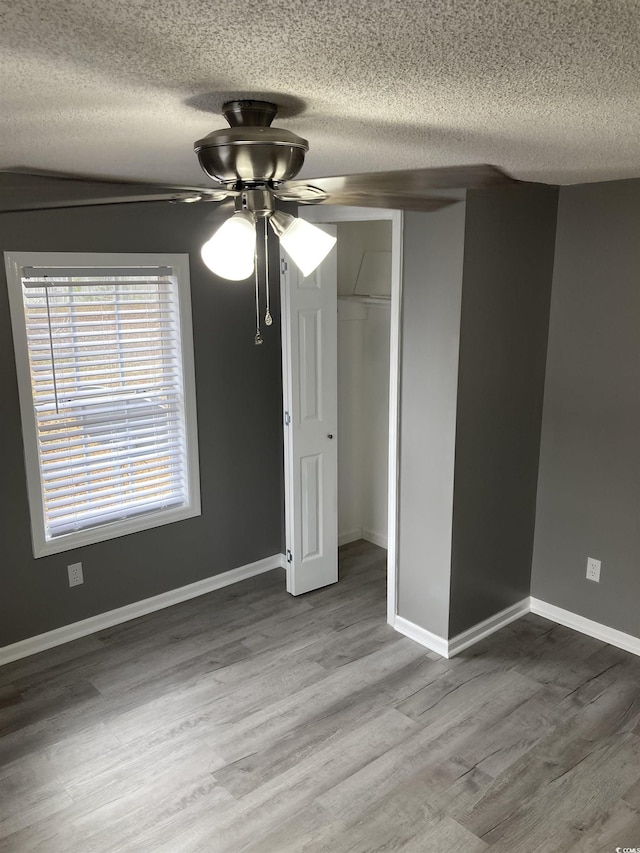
x=547, y=89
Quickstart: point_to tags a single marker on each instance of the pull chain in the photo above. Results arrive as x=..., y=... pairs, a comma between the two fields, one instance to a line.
x=268, y=319
x=258, y=338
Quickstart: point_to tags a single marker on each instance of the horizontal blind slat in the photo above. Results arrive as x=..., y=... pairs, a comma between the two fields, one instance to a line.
x=102, y=442
x=93, y=414
x=82, y=401
x=168, y=449
x=48, y=438
x=104, y=449
x=170, y=456
x=39, y=315
x=115, y=493
x=106, y=297
x=84, y=327
x=122, y=345
x=56, y=491
x=72, y=426
x=107, y=504
x=128, y=386
x=81, y=499
x=108, y=449
x=91, y=274
x=159, y=449
x=60, y=528
x=88, y=297
x=103, y=288
x=163, y=326
x=62, y=480
x=115, y=375
x=74, y=306
x=42, y=362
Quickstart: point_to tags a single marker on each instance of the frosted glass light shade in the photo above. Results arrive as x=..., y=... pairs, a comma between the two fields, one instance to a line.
x=230, y=252
x=306, y=244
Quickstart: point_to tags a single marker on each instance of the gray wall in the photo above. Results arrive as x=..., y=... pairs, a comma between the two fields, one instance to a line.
x=589, y=486
x=239, y=398
x=432, y=288
x=508, y=265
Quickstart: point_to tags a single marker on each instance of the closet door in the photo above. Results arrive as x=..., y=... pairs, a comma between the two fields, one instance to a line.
x=309, y=368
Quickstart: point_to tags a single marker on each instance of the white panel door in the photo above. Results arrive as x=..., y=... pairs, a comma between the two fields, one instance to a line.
x=309, y=367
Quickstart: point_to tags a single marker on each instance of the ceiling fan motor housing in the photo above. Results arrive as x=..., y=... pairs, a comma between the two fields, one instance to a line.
x=251, y=152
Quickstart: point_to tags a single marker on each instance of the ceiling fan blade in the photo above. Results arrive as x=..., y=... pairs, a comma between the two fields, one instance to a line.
x=22, y=190
x=409, y=189
x=303, y=193
x=82, y=204
x=388, y=200
x=96, y=179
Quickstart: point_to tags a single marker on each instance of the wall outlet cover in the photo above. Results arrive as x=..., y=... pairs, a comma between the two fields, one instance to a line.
x=593, y=569
x=75, y=574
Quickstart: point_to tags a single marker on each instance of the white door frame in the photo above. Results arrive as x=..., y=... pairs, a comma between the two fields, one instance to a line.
x=334, y=214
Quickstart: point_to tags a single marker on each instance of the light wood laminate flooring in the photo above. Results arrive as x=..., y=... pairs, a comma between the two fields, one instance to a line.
x=248, y=720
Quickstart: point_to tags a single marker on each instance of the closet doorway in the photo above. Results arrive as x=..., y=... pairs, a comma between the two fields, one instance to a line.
x=368, y=284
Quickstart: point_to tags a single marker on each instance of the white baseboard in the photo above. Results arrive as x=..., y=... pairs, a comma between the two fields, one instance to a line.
x=57, y=637
x=430, y=641
x=349, y=536
x=433, y=642
x=449, y=648
x=586, y=626
x=379, y=539
x=487, y=627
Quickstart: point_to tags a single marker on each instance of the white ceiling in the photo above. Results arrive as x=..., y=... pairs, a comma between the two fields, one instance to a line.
x=547, y=89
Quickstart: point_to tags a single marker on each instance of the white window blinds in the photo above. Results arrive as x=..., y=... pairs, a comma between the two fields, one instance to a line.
x=105, y=360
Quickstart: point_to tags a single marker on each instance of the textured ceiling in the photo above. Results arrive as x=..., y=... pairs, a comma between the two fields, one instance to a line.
x=547, y=89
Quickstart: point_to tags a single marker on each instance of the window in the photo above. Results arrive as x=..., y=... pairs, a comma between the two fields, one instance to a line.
x=104, y=357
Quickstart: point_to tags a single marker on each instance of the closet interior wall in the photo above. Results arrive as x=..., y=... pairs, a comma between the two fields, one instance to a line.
x=363, y=386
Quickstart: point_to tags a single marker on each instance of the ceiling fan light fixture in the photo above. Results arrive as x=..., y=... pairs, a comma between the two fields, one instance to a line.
x=230, y=252
x=306, y=244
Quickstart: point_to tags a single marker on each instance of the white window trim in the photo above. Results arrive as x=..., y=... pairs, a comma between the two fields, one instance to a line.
x=14, y=262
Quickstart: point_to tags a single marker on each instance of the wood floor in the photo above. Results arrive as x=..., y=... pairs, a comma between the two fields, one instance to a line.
x=247, y=720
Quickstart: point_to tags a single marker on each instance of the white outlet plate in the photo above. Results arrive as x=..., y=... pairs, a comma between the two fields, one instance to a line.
x=593, y=569
x=75, y=574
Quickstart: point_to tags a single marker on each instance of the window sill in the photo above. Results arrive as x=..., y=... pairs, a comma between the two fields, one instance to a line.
x=113, y=530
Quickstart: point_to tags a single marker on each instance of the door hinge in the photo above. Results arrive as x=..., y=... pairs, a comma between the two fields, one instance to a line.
x=283, y=265
x=289, y=556
x=287, y=418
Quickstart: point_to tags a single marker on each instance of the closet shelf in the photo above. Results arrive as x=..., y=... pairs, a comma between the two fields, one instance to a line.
x=368, y=300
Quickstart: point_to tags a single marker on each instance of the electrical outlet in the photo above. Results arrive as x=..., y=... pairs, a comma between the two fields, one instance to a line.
x=593, y=569
x=75, y=574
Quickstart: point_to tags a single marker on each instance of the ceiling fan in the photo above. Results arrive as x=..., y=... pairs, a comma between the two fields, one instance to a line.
x=255, y=165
